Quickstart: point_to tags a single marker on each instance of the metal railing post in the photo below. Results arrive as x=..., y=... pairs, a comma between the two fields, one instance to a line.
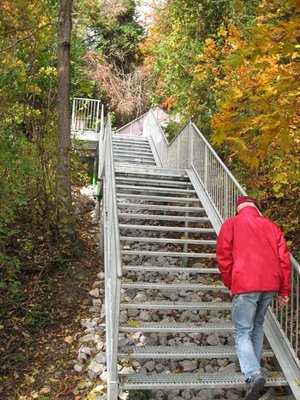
x=191, y=145
x=205, y=165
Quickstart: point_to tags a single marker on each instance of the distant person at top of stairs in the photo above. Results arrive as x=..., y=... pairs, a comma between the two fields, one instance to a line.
x=254, y=262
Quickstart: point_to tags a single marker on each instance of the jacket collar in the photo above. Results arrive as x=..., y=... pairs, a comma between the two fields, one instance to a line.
x=249, y=211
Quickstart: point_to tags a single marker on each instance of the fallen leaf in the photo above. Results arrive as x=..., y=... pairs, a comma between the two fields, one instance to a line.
x=69, y=339
x=131, y=322
x=45, y=390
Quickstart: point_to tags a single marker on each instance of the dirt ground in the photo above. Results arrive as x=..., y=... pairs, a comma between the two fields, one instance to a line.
x=39, y=365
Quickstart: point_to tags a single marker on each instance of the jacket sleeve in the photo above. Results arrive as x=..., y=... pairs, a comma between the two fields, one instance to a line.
x=224, y=252
x=285, y=265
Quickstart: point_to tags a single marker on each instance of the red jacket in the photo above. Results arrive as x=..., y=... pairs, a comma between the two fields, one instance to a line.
x=252, y=254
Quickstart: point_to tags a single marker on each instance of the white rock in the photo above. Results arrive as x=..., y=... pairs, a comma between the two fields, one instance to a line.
x=82, y=356
x=149, y=365
x=100, y=358
x=101, y=276
x=127, y=370
x=189, y=365
x=87, y=338
x=186, y=394
x=209, y=368
x=95, y=367
x=160, y=368
x=229, y=368
x=205, y=394
x=94, y=293
x=145, y=316
x=78, y=368
x=213, y=339
x=86, y=350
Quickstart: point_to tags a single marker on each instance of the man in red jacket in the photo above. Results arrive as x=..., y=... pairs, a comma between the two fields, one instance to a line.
x=254, y=262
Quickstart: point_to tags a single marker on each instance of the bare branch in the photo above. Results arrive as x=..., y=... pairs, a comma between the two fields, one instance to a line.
x=27, y=36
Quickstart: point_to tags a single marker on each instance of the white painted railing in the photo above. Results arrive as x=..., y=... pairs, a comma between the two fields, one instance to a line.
x=86, y=119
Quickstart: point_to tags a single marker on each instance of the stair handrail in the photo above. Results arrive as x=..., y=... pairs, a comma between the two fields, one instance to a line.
x=113, y=261
x=191, y=150
x=101, y=145
x=85, y=114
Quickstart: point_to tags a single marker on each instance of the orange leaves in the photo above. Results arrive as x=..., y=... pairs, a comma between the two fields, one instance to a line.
x=168, y=103
x=259, y=102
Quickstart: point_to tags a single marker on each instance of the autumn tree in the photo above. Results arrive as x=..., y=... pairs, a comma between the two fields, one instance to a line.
x=175, y=40
x=111, y=57
x=258, y=122
x=233, y=67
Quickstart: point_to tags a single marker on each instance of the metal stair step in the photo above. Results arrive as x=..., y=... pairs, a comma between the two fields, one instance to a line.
x=127, y=143
x=133, y=155
x=181, y=352
x=175, y=327
x=138, y=163
x=173, y=286
x=180, y=209
x=167, y=254
x=133, y=148
x=175, y=305
x=159, y=198
x=163, y=217
x=166, y=228
x=137, y=152
x=155, y=181
x=167, y=240
x=165, y=173
x=155, y=189
x=164, y=269
x=137, y=159
x=193, y=381
x=130, y=140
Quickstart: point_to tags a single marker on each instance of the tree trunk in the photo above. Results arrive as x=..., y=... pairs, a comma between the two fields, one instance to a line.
x=65, y=215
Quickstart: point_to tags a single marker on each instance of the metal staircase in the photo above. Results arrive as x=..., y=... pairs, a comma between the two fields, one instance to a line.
x=168, y=315
x=184, y=243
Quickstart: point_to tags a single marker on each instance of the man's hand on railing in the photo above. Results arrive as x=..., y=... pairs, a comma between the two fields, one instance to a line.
x=283, y=301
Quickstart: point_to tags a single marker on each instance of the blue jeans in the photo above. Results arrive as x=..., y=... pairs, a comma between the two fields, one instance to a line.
x=248, y=312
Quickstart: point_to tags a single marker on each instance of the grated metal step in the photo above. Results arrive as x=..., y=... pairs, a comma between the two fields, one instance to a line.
x=148, y=172
x=163, y=182
x=132, y=150
x=129, y=140
x=175, y=305
x=166, y=228
x=135, y=147
x=175, y=327
x=172, y=268
x=193, y=381
x=137, y=162
x=167, y=254
x=181, y=352
x=173, y=286
x=159, y=198
x=156, y=189
x=166, y=240
x=134, y=156
x=181, y=209
x=163, y=217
